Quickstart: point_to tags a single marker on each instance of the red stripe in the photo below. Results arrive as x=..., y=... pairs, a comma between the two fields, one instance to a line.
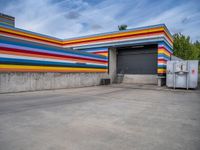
x=100, y=52
x=162, y=60
x=48, y=54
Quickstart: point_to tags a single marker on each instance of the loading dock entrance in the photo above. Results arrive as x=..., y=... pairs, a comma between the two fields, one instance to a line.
x=138, y=63
x=137, y=60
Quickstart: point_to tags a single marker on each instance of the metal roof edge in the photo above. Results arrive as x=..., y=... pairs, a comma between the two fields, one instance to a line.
x=123, y=31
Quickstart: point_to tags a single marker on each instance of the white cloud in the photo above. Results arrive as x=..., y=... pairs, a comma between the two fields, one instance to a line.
x=178, y=19
x=73, y=18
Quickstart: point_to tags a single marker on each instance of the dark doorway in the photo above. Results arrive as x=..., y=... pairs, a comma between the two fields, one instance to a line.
x=137, y=59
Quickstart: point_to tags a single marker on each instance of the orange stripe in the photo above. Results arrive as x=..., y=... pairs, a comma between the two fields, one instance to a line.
x=119, y=34
x=30, y=39
x=112, y=39
x=111, y=36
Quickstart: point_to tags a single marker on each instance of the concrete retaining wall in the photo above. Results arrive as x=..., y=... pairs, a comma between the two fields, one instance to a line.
x=140, y=79
x=17, y=82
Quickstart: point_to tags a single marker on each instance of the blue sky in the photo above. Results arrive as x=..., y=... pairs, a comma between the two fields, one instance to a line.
x=73, y=18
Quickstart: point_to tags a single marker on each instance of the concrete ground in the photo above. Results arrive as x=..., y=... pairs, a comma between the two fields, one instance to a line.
x=117, y=117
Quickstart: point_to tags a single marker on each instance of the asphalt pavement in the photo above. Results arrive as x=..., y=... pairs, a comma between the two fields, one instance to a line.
x=112, y=117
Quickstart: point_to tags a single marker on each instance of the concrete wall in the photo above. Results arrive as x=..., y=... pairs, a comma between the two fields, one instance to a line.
x=142, y=79
x=112, y=64
x=17, y=82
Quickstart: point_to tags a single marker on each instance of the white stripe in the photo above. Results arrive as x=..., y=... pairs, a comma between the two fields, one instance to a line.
x=162, y=64
x=43, y=59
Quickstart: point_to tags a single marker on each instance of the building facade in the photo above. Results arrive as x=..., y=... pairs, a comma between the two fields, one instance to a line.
x=30, y=61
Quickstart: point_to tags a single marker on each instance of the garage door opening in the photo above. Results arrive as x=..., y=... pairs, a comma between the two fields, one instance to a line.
x=137, y=64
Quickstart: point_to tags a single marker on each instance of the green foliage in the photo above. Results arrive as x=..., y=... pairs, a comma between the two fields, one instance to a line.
x=122, y=27
x=184, y=48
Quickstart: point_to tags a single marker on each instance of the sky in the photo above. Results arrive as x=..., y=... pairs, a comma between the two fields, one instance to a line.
x=73, y=18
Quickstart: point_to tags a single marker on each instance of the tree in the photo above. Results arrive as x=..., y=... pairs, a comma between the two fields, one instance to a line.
x=184, y=48
x=197, y=44
x=122, y=27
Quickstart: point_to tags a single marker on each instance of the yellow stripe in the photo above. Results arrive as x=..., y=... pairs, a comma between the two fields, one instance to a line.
x=29, y=35
x=115, y=35
x=104, y=54
x=162, y=49
x=163, y=52
x=5, y=66
x=161, y=70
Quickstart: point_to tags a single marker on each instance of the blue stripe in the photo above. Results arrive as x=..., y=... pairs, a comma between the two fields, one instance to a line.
x=38, y=62
x=162, y=66
x=166, y=46
x=164, y=56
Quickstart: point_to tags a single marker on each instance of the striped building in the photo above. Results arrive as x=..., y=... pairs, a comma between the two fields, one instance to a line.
x=7, y=20
x=138, y=52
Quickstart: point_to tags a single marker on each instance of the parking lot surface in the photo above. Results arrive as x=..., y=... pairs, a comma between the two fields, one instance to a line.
x=101, y=118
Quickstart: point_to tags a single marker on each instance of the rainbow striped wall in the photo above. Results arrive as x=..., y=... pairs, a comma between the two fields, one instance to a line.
x=157, y=34
x=164, y=54
x=143, y=35
x=26, y=51
x=22, y=56
x=7, y=20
